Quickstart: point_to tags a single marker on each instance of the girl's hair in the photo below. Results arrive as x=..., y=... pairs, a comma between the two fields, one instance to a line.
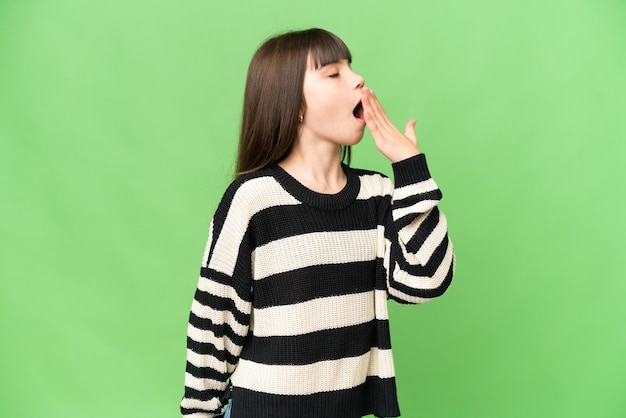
x=274, y=97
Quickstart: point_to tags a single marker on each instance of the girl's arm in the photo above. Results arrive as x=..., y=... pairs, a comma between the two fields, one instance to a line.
x=220, y=312
x=419, y=257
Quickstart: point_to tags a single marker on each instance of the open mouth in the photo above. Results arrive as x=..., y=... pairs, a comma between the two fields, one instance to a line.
x=358, y=111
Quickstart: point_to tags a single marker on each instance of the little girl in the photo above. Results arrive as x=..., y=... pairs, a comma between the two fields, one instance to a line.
x=289, y=319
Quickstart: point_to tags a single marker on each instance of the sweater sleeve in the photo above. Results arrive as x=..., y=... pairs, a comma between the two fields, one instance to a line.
x=419, y=257
x=220, y=311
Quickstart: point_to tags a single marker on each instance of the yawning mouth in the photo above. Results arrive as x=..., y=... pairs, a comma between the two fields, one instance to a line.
x=358, y=111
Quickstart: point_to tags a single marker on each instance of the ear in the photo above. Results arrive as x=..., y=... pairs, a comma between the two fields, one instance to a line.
x=302, y=111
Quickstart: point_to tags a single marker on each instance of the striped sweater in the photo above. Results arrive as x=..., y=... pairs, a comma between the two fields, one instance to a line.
x=290, y=313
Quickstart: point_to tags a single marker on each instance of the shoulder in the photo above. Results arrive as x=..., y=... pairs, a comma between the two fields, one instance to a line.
x=251, y=193
x=373, y=183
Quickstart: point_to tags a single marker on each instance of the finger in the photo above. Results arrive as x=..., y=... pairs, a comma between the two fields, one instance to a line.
x=381, y=126
x=376, y=119
x=369, y=113
x=375, y=108
x=409, y=131
x=369, y=104
x=371, y=122
x=376, y=124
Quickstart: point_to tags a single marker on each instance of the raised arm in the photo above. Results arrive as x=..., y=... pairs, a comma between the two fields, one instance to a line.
x=419, y=256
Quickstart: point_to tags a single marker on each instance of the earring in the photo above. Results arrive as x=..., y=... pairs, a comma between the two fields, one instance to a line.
x=300, y=118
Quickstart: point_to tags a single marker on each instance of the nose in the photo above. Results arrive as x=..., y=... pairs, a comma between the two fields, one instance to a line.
x=360, y=81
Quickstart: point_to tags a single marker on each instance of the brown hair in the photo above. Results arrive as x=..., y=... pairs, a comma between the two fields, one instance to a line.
x=274, y=98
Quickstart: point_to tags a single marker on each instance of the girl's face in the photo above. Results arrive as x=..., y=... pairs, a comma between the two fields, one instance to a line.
x=332, y=112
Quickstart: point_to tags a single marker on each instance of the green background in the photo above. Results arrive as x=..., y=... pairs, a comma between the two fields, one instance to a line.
x=118, y=127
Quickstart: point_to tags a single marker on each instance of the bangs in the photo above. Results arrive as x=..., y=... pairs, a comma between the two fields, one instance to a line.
x=326, y=48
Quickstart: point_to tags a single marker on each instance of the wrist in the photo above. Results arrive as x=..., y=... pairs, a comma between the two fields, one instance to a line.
x=410, y=170
x=405, y=156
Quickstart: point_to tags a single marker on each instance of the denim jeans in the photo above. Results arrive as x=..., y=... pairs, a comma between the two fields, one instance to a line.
x=228, y=408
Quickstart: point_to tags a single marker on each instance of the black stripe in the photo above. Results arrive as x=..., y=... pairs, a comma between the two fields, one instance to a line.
x=219, y=303
x=332, y=344
x=376, y=396
x=210, y=349
x=410, y=171
x=185, y=411
x=243, y=291
x=278, y=222
x=381, y=275
x=406, y=221
x=425, y=293
x=205, y=373
x=314, y=282
x=428, y=269
x=365, y=172
x=417, y=198
x=427, y=226
x=219, y=330
x=203, y=395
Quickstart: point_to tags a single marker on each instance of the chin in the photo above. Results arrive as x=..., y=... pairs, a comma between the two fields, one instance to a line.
x=353, y=141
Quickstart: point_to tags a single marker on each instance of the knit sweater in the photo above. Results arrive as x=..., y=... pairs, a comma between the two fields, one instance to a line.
x=290, y=313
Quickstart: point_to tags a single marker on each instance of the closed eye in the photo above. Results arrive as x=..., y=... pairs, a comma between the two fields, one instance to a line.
x=334, y=75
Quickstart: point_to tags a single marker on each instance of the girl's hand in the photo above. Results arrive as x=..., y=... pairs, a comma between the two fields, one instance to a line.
x=389, y=140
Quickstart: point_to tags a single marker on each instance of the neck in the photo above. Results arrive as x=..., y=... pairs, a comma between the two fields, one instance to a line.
x=317, y=168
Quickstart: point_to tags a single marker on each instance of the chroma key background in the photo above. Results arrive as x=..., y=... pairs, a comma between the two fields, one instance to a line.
x=118, y=130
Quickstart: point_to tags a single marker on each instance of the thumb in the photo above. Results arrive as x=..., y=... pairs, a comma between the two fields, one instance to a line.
x=409, y=131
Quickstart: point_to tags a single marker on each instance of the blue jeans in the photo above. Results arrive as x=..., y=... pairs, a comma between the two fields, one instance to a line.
x=228, y=408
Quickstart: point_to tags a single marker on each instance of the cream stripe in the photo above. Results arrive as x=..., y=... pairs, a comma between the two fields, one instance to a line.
x=425, y=282
x=381, y=364
x=252, y=197
x=219, y=317
x=202, y=384
x=414, y=189
x=381, y=304
x=324, y=376
x=207, y=248
x=408, y=231
x=315, y=315
x=374, y=185
x=206, y=360
x=210, y=405
x=433, y=240
x=383, y=243
x=417, y=209
x=314, y=249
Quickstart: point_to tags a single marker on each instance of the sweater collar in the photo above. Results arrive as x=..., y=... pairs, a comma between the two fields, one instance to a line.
x=312, y=198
